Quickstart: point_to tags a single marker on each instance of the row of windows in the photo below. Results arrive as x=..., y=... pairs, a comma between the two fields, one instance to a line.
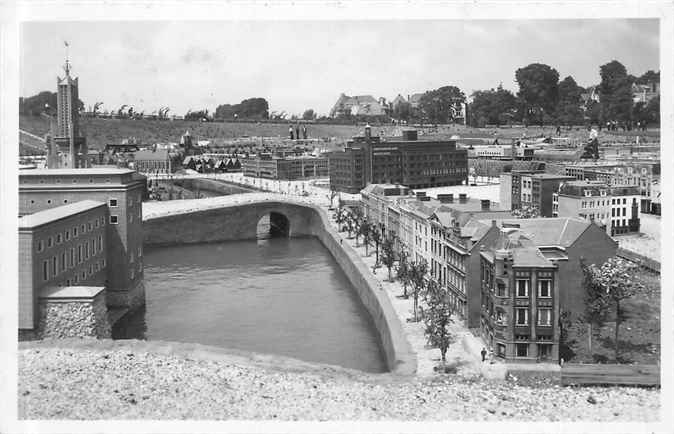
x=42, y=180
x=70, y=259
x=543, y=317
x=93, y=269
x=66, y=235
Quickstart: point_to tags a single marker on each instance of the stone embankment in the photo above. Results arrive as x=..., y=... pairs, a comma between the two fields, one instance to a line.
x=82, y=379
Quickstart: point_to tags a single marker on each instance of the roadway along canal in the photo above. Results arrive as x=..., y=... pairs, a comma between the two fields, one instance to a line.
x=279, y=296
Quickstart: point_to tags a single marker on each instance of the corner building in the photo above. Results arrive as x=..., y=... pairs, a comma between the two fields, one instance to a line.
x=399, y=160
x=122, y=191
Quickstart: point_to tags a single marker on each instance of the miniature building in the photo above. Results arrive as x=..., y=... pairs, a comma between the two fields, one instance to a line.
x=399, y=160
x=122, y=190
x=286, y=168
x=153, y=162
x=59, y=247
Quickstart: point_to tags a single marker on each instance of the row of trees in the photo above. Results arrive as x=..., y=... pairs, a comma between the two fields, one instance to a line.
x=543, y=99
x=437, y=311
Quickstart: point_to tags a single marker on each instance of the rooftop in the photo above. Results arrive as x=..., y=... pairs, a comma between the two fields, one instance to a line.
x=158, y=155
x=70, y=292
x=556, y=231
x=60, y=212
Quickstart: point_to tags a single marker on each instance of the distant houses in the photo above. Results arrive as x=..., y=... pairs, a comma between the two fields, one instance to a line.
x=209, y=164
x=370, y=107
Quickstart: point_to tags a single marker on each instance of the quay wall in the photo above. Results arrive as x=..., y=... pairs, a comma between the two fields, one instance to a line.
x=239, y=222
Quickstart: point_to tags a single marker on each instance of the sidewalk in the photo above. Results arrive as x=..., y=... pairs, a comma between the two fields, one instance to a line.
x=464, y=352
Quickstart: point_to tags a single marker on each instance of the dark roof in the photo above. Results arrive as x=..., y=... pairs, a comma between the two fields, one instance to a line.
x=149, y=155
x=556, y=231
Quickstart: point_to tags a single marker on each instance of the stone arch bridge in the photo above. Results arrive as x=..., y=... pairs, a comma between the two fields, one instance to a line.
x=225, y=218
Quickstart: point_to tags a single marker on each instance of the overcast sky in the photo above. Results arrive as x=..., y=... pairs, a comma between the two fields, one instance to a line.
x=300, y=65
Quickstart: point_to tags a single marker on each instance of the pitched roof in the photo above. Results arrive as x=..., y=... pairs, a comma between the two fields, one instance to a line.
x=149, y=155
x=556, y=231
x=60, y=212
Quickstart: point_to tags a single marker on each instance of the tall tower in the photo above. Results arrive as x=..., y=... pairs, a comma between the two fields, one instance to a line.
x=68, y=148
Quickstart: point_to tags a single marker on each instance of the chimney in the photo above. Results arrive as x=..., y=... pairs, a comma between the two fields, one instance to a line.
x=485, y=204
x=463, y=197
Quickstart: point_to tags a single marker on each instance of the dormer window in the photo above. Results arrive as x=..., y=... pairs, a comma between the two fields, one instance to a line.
x=588, y=193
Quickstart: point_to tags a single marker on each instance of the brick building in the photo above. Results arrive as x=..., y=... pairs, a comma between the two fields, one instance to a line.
x=153, y=161
x=122, y=190
x=400, y=160
x=60, y=247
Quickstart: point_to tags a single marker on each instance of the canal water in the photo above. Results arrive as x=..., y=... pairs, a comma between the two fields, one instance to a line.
x=280, y=296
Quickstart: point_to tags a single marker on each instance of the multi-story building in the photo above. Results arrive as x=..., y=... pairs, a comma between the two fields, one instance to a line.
x=590, y=200
x=510, y=192
x=566, y=241
x=60, y=246
x=122, y=190
x=407, y=161
x=537, y=190
x=288, y=168
x=615, y=209
x=153, y=161
x=65, y=146
x=520, y=300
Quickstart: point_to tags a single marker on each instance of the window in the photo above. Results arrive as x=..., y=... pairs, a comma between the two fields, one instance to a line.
x=45, y=270
x=67, y=235
x=624, y=212
x=544, y=351
x=58, y=238
x=96, y=222
x=72, y=257
x=40, y=246
x=113, y=219
x=500, y=317
x=75, y=278
x=544, y=288
x=83, y=229
x=54, y=266
x=79, y=254
x=522, y=350
x=624, y=201
x=522, y=288
x=67, y=282
x=100, y=243
x=63, y=261
x=89, y=226
x=521, y=316
x=112, y=203
x=91, y=270
x=50, y=241
x=501, y=290
x=84, y=275
x=75, y=232
x=544, y=317
x=86, y=250
x=500, y=350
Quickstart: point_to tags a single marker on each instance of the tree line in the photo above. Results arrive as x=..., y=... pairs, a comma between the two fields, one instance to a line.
x=543, y=99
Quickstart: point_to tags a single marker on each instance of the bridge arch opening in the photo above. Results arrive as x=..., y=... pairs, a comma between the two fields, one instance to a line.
x=273, y=225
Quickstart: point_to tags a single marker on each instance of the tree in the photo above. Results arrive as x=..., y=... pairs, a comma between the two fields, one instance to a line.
x=403, y=269
x=357, y=221
x=309, y=115
x=388, y=254
x=366, y=231
x=526, y=212
x=442, y=105
x=616, y=281
x=36, y=104
x=437, y=318
x=402, y=111
x=538, y=90
x=418, y=271
x=569, y=110
x=596, y=304
x=375, y=236
x=251, y=108
x=615, y=93
x=492, y=107
x=652, y=111
x=197, y=116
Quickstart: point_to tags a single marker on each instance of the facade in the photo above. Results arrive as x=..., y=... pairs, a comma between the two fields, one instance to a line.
x=359, y=105
x=512, y=188
x=59, y=247
x=644, y=93
x=537, y=190
x=407, y=161
x=153, y=162
x=65, y=146
x=616, y=209
x=566, y=241
x=520, y=300
x=289, y=168
x=122, y=190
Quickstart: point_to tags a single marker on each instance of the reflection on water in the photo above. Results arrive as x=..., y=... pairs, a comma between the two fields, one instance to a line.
x=278, y=295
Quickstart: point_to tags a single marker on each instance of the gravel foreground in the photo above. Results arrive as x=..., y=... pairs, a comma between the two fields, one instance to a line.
x=113, y=380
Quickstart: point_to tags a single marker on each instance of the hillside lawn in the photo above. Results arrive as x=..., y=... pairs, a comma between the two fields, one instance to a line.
x=100, y=132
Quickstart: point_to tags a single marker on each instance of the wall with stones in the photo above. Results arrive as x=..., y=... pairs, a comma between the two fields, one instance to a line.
x=74, y=319
x=240, y=222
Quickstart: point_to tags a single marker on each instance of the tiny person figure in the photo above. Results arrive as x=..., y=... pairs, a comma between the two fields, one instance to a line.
x=290, y=132
x=484, y=354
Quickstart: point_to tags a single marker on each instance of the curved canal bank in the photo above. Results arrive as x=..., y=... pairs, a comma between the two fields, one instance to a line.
x=218, y=219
